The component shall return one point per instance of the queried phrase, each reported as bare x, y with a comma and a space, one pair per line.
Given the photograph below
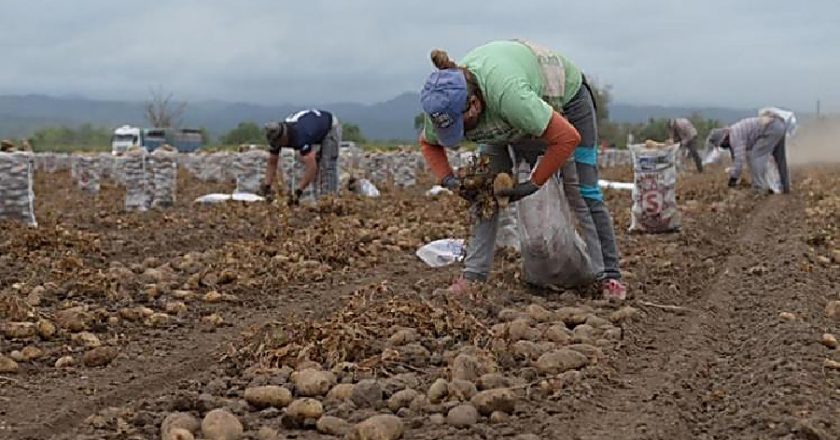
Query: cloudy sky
736, 53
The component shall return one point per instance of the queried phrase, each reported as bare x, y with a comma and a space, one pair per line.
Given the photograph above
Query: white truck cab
124, 138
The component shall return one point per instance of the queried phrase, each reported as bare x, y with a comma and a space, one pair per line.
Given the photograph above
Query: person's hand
451, 183
294, 198
520, 191
266, 192
733, 182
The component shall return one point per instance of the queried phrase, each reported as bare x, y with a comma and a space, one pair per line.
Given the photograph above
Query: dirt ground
183, 310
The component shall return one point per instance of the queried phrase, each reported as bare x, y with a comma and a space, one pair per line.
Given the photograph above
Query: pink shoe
613, 290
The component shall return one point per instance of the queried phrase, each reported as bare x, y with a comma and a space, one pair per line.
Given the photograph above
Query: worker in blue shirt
315, 135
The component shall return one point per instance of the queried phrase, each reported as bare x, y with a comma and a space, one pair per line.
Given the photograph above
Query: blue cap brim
451, 136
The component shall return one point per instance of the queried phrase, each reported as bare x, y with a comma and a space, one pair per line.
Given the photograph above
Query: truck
124, 138
184, 140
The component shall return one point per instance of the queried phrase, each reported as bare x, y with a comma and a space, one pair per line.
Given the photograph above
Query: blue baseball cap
444, 98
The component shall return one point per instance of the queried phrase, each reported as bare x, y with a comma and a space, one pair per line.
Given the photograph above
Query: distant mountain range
20, 115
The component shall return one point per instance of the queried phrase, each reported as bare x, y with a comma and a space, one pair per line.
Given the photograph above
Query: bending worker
315, 135
760, 138
682, 130
514, 93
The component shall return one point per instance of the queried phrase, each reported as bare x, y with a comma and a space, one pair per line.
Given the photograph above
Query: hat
274, 131
444, 99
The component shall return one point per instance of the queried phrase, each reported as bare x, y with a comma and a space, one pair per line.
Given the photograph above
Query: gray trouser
770, 143
580, 182
326, 180
690, 146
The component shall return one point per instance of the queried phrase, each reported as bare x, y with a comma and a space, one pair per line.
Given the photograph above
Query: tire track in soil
731, 368
63, 402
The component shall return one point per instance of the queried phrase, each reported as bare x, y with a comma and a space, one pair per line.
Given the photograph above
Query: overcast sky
735, 53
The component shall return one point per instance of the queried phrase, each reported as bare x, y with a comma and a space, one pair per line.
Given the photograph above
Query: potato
502, 181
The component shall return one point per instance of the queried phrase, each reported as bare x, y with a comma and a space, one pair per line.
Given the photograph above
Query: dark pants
691, 147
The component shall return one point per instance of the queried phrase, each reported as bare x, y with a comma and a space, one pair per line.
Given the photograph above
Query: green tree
206, 137
602, 96
352, 132
85, 137
244, 133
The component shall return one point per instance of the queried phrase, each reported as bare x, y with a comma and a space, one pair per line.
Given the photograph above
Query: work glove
294, 198
451, 183
520, 191
733, 182
265, 191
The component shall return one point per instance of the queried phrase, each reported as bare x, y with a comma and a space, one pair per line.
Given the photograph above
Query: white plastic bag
237, 197
553, 253
655, 191
438, 190
715, 155
440, 253
367, 188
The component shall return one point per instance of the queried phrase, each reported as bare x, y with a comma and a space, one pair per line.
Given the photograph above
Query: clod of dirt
461, 390
539, 313
158, 320
312, 383
335, 426
221, 424
301, 410
787, 316
268, 396
613, 334
30, 353
266, 433
178, 420
562, 381
527, 437
8, 365
99, 357
562, 360
492, 381
502, 181
175, 308
832, 310
46, 329
381, 427
74, 319
499, 417
88, 339
829, 341
501, 399
212, 297
65, 362
402, 399
520, 329
526, 350
438, 390
19, 330
469, 367
367, 394
403, 337
462, 416
624, 314
340, 392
